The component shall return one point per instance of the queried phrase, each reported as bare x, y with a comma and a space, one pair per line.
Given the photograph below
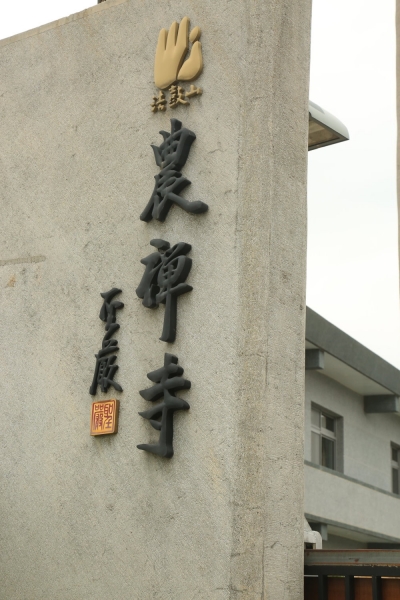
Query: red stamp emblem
104, 418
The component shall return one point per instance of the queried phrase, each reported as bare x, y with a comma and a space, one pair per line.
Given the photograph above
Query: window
395, 469
323, 438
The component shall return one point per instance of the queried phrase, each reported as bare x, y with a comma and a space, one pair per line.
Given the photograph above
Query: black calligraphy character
167, 381
171, 156
109, 309
105, 368
164, 280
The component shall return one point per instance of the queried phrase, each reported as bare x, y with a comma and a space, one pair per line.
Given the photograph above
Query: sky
352, 264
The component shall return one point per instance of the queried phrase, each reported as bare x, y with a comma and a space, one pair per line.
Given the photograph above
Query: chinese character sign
164, 280
178, 59
171, 157
104, 418
106, 368
167, 381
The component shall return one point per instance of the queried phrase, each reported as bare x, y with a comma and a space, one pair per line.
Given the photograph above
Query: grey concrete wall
86, 518
340, 543
366, 437
346, 502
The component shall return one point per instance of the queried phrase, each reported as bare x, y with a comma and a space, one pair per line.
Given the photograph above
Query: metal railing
352, 575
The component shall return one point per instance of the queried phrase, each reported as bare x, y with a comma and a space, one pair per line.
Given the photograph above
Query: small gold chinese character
177, 96
194, 91
159, 102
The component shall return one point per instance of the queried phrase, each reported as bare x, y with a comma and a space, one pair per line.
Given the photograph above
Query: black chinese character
109, 309
167, 381
171, 157
105, 368
164, 280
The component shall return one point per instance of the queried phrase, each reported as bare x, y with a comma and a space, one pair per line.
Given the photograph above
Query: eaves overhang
349, 362
324, 129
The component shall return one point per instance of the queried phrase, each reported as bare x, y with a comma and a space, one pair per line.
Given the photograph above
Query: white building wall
334, 498
366, 437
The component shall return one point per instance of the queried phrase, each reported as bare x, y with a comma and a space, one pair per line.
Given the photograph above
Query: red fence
352, 575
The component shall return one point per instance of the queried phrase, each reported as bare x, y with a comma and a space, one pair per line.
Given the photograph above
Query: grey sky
352, 242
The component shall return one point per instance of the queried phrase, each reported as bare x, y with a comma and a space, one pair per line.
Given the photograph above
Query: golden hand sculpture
172, 48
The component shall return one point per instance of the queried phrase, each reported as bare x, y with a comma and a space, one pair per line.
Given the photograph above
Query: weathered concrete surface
95, 518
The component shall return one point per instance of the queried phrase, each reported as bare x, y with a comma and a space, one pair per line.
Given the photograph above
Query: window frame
336, 436
395, 466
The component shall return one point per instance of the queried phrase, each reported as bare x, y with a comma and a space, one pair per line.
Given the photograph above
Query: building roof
349, 362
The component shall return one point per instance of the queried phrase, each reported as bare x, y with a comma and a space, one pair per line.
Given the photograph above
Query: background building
352, 440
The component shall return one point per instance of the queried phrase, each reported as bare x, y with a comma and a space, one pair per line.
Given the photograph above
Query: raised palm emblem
172, 48
170, 65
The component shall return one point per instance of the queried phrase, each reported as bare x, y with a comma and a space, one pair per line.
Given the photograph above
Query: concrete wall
333, 498
95, 518
335, 542
366, 437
